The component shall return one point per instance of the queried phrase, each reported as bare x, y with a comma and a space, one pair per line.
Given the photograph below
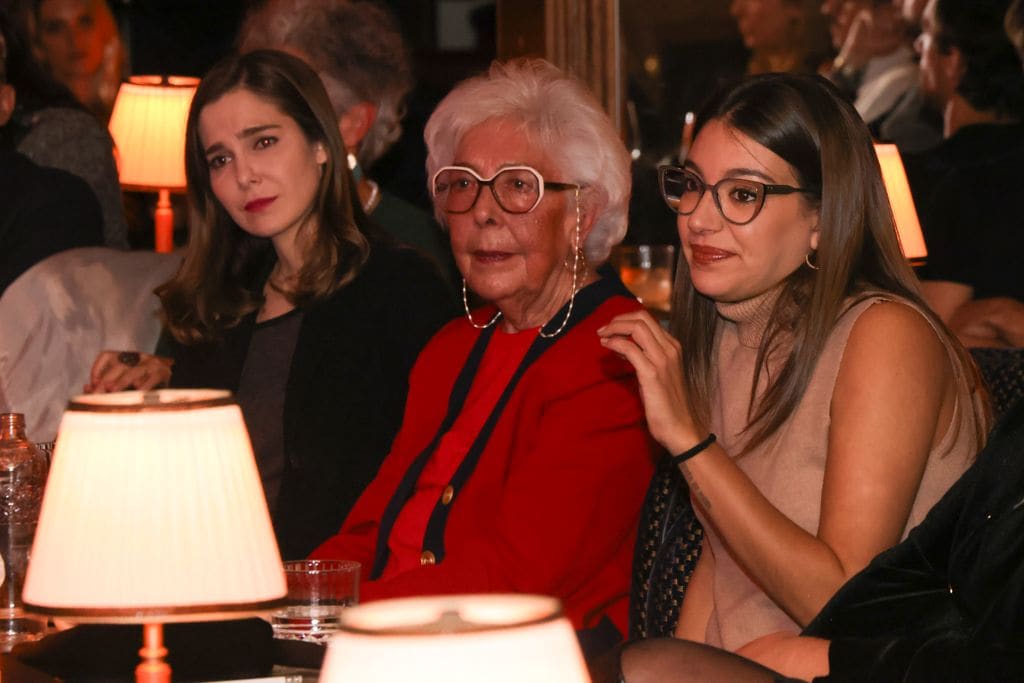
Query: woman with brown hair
817, 407
287, 296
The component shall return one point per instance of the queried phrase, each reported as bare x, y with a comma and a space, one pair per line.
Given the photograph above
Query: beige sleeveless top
788, 468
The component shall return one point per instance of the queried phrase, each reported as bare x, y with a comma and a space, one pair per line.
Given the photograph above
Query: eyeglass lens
516, 190
738, 200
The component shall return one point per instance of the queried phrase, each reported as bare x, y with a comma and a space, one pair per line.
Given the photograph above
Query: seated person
78, 43
966, 189
44, 210
877, 67
358, 51
523, 456
286, 296
54, 130
843, 407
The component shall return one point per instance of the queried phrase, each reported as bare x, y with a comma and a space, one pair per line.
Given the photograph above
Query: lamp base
163, 220
153, 668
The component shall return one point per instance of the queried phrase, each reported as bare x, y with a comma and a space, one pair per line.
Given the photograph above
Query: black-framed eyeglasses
738, 200
516, 189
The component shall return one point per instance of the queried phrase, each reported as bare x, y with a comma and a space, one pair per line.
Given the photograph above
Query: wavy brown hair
810, 125
221, 278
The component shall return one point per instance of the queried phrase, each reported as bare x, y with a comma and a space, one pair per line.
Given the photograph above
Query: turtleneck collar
750, 316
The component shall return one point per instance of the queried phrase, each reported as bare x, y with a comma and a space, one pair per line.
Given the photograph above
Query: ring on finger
129, 358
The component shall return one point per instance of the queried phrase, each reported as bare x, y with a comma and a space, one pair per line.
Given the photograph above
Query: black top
42, 211
346, 386
968, 194
946, 604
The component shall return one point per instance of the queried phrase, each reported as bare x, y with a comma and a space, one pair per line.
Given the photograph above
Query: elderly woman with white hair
523, 457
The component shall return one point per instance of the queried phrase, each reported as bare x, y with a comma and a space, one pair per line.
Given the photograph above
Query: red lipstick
706, 256
257, 205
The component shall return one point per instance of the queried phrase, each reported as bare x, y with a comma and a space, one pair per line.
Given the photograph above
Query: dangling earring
469, 315
807, 260
357, 175
353, 165
577, 253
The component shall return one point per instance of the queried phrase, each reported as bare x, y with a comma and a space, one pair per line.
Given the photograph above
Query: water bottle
22, 477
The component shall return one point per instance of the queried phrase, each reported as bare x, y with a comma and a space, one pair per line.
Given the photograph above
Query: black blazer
346, 388
946, 604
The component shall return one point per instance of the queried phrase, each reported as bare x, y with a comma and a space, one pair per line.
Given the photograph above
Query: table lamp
153, 513
456, 638
908, 227
148, 127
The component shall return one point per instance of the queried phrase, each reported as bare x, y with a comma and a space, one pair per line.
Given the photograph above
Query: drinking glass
318, 591
646, 270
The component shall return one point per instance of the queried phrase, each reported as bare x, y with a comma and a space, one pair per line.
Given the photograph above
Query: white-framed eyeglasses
516, 189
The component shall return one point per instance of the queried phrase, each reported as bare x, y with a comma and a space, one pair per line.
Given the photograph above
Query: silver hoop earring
469, 315
807, 260
577, 251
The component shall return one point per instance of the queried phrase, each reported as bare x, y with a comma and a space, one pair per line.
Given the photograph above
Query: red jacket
552, 505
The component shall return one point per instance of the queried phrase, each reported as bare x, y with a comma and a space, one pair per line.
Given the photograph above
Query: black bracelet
696, 450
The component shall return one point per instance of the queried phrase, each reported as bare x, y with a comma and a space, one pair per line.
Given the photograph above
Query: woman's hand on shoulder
892, 402
123, 370
657, 358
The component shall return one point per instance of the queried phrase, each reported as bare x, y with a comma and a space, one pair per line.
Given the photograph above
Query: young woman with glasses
813, 403
523, 458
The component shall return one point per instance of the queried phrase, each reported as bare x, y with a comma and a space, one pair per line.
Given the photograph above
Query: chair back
668, 545
1003, 373
58, 315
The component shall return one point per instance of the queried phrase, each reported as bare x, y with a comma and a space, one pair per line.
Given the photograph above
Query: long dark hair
810, 125
220, 279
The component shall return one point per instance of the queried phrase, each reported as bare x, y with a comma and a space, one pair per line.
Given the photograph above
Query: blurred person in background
967, 188
54, 130
44, 210
877, 66
782, 35
78, 43
358, 51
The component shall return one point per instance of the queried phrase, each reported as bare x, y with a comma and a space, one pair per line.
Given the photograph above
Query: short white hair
558, 113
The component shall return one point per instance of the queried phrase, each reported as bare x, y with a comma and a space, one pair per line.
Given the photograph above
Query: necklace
374, 199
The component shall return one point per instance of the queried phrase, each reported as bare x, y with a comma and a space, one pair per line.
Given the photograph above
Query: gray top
73, 141
261, 391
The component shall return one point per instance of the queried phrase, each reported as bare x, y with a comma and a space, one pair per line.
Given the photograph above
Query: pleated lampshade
492, 638
148, 127
153, 512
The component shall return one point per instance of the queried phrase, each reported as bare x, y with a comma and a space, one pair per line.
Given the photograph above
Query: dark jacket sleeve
947, 604
347, 389
46, 211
